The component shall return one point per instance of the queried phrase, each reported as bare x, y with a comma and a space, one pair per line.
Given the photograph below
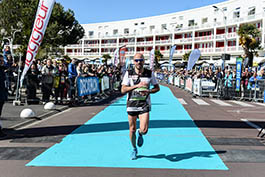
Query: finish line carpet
173, 141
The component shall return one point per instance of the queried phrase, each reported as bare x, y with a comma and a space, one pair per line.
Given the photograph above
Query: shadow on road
117, 126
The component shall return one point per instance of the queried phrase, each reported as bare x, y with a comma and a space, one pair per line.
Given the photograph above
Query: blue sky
93, 11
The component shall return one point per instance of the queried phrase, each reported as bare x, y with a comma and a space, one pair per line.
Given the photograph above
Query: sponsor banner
207, 85
172, 50
176, 81
197, 87
160, 76
105, 83
194, 56
87, 85
122, 55
115, 60
152, 59
182, 82
188, 85
41, 21
170, 79
238, 73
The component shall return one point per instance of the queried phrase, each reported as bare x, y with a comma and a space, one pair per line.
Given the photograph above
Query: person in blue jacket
3, 90
72, 74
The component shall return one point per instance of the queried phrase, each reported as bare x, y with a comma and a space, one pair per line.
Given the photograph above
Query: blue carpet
173, 141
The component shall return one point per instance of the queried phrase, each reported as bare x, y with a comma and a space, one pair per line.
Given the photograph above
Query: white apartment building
210, 29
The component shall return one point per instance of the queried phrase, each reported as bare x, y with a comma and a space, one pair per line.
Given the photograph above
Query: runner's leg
132, 129
144, 123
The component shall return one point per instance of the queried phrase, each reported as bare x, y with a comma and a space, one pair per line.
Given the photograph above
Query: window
142, 23
191, 23
126, 30
180, 17
204, 20
251, 11
215, 20
135, 24
224, 9
91, 33
152, 28
115, 32
164, 26
237, 13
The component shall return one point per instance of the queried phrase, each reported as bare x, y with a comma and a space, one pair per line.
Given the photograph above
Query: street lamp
10, 38
225, 41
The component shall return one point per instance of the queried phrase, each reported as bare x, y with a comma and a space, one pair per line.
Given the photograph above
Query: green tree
106, 58
249, 36
62, 29
158, 56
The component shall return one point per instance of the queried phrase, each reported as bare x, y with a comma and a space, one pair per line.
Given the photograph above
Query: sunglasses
137, 60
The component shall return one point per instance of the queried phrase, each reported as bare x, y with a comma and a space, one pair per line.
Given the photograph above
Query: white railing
203, 38
109, 45
232, 35
75, 45
91, 45
231, 48
206, 50
145, 43
91, 53
219, 49
163, 41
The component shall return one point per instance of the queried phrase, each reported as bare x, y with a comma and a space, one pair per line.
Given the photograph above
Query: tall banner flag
194, 56
41, 21
152, 59
122, 55
172, 50
238, 73
115, 60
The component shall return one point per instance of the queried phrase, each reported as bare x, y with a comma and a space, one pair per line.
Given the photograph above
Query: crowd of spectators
55, 78
224, 78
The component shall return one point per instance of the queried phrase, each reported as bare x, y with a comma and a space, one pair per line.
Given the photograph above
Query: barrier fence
86, 90
221, 88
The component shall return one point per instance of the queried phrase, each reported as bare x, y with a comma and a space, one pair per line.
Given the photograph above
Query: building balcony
206, 50
204, 38
91, 54
126, 43
109, 45
163, 42
150, 43
75, 46
91, 45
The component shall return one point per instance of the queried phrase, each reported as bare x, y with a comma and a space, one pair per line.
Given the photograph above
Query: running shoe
140, 140
134, 154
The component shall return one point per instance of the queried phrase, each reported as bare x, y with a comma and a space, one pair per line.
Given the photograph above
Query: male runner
136, 83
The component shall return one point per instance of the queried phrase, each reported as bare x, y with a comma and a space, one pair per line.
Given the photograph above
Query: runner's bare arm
155, 89
126, 88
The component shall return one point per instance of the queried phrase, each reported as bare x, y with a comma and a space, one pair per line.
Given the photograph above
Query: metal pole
17, 101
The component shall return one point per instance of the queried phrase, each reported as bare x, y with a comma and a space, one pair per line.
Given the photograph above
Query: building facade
211, 29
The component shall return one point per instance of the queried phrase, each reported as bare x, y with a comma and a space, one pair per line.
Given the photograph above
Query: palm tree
106, 57
249, 36
186, 56
158, 56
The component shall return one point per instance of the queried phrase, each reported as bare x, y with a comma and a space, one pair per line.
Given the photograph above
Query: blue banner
87, 85
160, 76
172, 50
238, 73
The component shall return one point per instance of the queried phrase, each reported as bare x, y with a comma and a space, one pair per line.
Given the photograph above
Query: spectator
56, 80
3, 91
32, 82
63, 82
72, 74
47, 81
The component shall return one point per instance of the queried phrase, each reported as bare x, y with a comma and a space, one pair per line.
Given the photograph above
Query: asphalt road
229, 129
